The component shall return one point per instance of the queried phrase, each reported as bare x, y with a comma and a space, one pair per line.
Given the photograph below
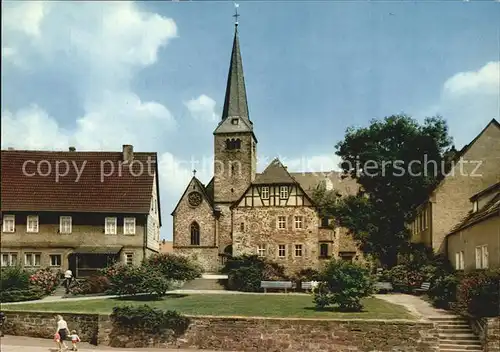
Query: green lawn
226, 305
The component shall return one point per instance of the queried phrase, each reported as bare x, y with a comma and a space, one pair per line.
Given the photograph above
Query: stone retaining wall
243, 334
492, 332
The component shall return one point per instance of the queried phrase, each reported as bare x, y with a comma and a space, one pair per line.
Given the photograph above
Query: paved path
416, 305
30, 344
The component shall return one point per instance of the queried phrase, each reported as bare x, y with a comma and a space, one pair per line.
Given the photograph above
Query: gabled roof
235, 101
122, 191
491, 208
201, 187
466, 148
492, 188
333, 180
275, 173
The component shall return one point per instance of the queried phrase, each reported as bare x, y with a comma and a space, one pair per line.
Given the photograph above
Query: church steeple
235, 102
235, 117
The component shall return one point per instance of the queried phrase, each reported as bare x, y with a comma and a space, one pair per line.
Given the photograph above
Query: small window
298, 250
65, 224
261, 250
55, 260
475, 206
129, 226
282, 222
129, 258
9, 223
283, 192
110, 226
298, 222
325, 221
482, 257
242, 227
234, 121
32, 223
32, 259
195, 234
265, 192
323, 250
9, 259
281, 251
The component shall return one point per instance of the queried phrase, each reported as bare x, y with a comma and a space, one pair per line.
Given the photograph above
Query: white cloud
25, 17
202, 108
468, 101
486, 80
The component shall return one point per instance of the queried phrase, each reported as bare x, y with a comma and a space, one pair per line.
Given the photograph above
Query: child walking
74, 340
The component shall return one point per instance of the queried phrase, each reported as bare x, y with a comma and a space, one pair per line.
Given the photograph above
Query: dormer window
474, 206
234, 121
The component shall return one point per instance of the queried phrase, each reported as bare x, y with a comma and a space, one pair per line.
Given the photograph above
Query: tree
396, 161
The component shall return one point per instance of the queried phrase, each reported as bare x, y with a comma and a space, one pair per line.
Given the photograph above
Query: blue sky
101, 74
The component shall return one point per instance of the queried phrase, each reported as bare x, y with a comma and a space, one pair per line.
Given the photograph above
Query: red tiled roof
128, 191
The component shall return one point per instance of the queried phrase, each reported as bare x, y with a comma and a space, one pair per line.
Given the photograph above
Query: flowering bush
478, 293
405, 279
45, 279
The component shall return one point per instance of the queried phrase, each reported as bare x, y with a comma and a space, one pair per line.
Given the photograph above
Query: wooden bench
276, 285
383, 286
306, 285
423, 288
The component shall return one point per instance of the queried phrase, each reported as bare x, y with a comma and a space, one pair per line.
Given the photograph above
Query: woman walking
62, 330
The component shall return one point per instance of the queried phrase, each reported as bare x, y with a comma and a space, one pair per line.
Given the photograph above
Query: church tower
235, 145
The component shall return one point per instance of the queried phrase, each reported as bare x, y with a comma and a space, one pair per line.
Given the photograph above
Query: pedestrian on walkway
62, 330
68, 276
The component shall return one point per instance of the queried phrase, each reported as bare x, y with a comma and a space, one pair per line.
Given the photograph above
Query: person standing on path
62, 330
68, 276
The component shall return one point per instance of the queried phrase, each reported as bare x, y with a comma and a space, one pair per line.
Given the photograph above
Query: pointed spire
235, 102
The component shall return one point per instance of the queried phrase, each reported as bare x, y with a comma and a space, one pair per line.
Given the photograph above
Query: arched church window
195, 234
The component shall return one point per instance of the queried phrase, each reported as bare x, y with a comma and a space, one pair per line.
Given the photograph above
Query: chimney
72, 149
128, 153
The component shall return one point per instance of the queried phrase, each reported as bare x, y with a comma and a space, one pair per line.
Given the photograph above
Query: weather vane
236, 15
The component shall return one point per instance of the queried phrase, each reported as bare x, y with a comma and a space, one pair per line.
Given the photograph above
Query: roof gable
87, 181
491, 208
275, 173
194, 185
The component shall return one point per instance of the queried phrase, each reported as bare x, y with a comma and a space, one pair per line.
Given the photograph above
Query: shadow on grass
148, 298
333, 310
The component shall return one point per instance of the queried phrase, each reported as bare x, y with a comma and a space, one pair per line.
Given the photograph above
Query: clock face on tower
194, 198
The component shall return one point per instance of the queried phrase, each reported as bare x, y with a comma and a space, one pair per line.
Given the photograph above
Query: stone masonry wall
261, 228
206, 257
44, 325
245, 334
492, 343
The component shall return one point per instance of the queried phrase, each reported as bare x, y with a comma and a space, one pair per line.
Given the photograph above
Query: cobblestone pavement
29, 344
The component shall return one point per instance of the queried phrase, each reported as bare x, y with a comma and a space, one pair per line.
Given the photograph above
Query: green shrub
17, 295
308, 274
246, 272
343, 284
478, 293
174, 267
443, 290
156, 284
14, 278
126, 279
147, 319
92, 285
405, 279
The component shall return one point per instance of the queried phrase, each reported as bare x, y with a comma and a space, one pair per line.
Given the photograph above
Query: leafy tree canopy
396, 161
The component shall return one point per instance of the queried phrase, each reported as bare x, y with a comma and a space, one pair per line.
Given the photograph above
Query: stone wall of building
261, 228
185, 214
478, 171
245, 334
233, 169
225, 224
206, 257
492, 341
